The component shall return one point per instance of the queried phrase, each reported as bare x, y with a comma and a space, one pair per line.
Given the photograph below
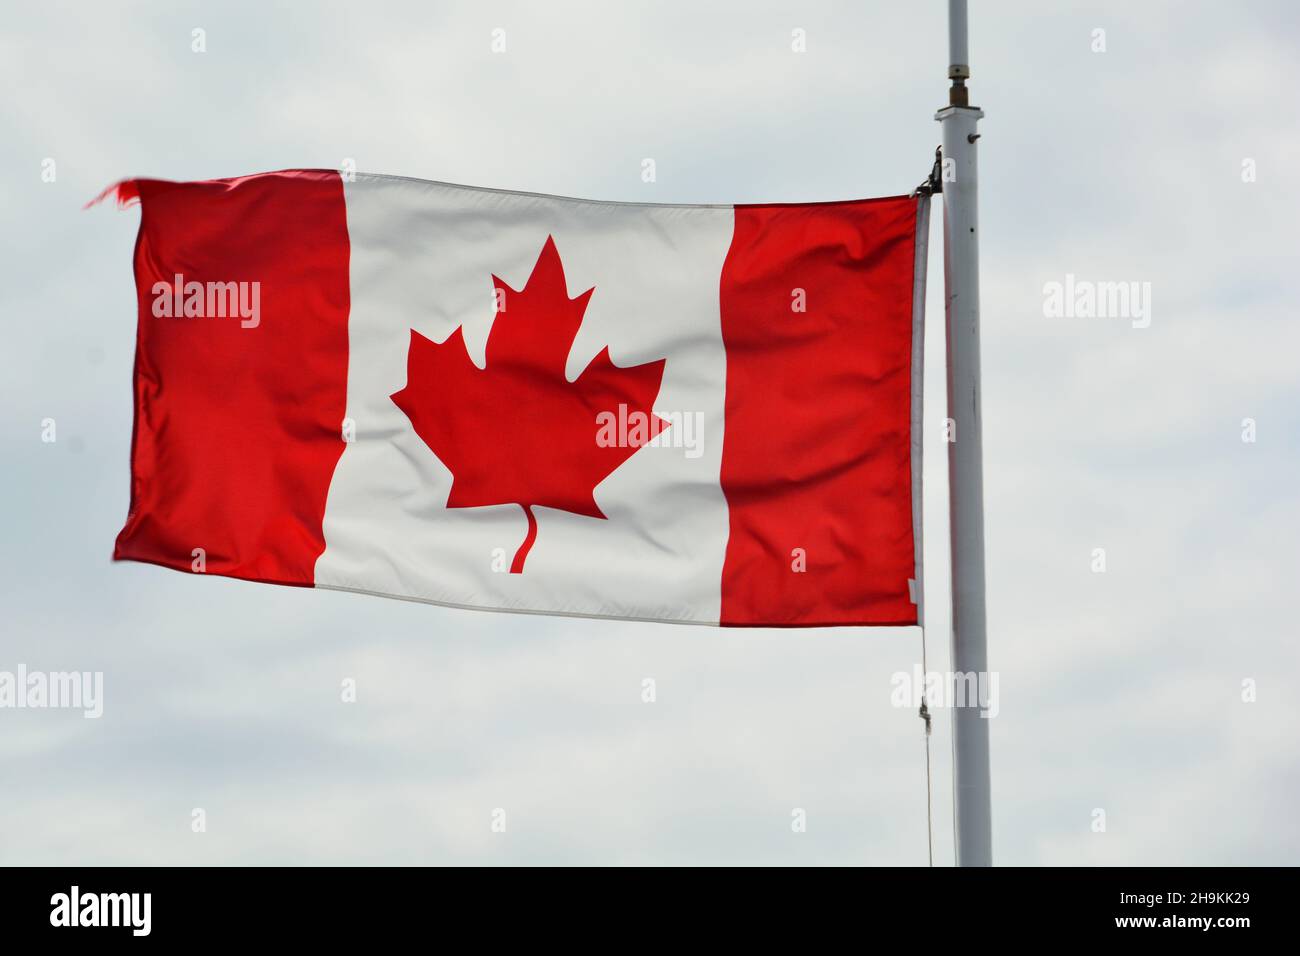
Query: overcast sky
1120, 691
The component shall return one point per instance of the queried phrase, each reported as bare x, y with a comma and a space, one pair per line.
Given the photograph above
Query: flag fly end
125, 193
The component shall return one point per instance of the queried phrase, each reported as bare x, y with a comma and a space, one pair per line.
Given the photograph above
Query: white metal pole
971, 797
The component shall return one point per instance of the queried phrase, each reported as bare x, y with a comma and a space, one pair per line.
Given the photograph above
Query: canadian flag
692, 414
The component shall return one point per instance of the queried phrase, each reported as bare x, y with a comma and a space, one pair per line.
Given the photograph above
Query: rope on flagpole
924, 713
929, 187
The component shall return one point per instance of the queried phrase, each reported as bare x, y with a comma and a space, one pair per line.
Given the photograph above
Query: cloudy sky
1167, 158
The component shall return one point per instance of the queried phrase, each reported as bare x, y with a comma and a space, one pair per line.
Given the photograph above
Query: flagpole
971, 792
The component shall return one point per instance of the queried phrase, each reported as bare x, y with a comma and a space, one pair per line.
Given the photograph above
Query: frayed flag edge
126, 193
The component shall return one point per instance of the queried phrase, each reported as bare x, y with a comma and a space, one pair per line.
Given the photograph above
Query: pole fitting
934, 182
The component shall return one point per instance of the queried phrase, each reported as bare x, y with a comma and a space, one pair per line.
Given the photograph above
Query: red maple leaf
517, 431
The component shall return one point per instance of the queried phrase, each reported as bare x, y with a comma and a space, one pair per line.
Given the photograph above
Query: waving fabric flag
694, 414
